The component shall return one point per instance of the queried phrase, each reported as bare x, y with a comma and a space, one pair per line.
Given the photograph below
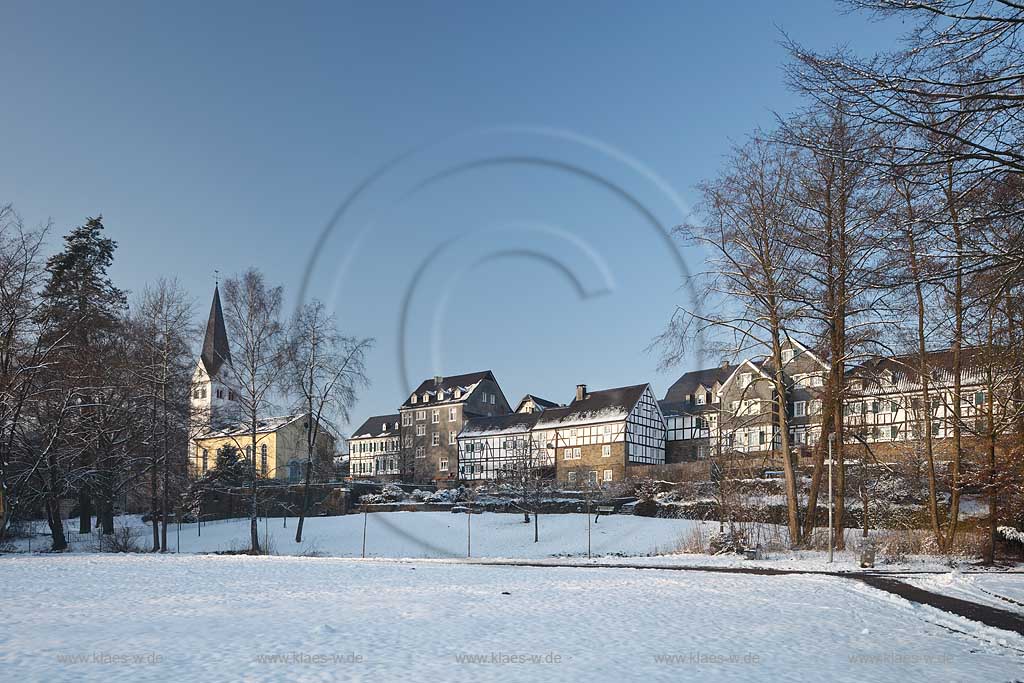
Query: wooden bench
603, 510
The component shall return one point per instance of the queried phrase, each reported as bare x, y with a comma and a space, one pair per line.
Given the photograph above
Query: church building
216, 420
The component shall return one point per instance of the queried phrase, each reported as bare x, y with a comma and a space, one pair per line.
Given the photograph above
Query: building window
263, 458
407, 419
607, 475
435, 439
408, 442
787, 355
745, 379
452, 414
442, 464
421, 452
435, 416
421, 415
701, 396
606, 451
817, 381
248, 452
426, 397
894, 432
206, 460
421, 430
799, 408
294, 470
231, 394
979, 398
592, 477
412, 399
451, 438
572, 477
492, 399
220, 393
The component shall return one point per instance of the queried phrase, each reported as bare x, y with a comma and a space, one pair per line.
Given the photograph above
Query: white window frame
442, 464
435, 417
451, 438
452, 414
799, 408
606, 451
607, 475
435, 438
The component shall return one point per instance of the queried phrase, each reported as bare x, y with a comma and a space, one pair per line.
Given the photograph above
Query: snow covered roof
606, 405
513, 423
541, 403
377, 426
266, 425
444, 389
902, 373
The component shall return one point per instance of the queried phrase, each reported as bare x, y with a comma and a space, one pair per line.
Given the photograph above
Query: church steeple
215, 344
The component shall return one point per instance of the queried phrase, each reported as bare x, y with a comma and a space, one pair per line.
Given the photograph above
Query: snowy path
224, 618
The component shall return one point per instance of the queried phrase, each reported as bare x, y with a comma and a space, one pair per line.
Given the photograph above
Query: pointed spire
215, 344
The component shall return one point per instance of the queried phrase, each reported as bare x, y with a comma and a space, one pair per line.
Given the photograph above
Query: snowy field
424, 535
88, 617
443, 535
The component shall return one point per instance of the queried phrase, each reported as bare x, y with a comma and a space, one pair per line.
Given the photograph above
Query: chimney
725, 364
581, 392
438, 379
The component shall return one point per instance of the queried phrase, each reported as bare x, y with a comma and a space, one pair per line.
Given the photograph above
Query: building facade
600, 433
502, 447
432, 417
375, 448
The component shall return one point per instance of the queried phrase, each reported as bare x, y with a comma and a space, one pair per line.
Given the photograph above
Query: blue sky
515, 164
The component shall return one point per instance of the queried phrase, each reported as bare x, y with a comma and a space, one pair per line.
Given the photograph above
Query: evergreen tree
83, 313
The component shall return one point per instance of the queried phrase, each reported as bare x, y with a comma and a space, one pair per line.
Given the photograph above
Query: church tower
214, 402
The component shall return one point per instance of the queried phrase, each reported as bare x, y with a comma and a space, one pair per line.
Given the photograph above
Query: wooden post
469, 530
364, 530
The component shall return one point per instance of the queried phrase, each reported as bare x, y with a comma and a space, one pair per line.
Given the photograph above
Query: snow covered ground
425, 535
443, 535
89, 617
1004, 590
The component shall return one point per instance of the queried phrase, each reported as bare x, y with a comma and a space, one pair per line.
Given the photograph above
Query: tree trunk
782, 413
154, 507
58, 541
84, 511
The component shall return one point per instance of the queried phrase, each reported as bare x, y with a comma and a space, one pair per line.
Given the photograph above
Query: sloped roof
903, 371
688, 383
378, 426
676, 408
265, 425
597, 406
443, 392
215, 344
512, 423
537, 400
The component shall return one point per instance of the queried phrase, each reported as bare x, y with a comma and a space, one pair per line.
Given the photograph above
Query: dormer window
412, 399
458, 393
745, 379
787, 355
426, 397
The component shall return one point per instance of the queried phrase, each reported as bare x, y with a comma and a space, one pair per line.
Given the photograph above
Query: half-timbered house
601, 433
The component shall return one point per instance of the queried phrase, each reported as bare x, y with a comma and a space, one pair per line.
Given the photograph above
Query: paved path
990, 616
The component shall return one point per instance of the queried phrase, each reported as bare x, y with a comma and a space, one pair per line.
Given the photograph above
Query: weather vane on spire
216, 278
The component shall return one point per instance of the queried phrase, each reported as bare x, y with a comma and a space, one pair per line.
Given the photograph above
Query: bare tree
161, 329
324, 372
22, 354
252, 313
749, 213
